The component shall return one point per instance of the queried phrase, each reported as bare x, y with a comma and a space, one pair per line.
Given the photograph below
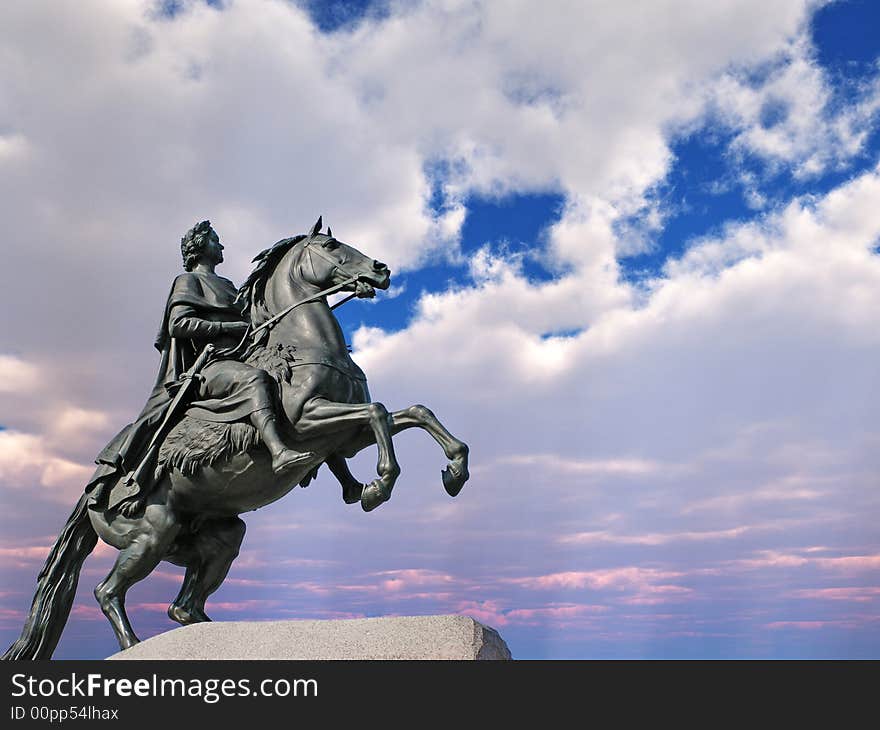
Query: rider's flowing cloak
207, 298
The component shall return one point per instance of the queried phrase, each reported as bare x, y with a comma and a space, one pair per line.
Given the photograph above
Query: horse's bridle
350, 279
336, 265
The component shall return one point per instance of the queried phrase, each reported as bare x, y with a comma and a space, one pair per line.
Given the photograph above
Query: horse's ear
330, 231
316, 228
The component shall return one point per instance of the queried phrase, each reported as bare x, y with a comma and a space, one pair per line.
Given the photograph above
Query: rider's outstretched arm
184, 322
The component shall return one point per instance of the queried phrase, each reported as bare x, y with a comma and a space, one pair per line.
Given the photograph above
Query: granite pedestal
403, 637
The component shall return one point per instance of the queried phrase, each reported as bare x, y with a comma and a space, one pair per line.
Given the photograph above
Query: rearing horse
191, 518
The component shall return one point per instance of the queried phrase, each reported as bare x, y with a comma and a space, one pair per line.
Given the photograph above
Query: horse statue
215, 472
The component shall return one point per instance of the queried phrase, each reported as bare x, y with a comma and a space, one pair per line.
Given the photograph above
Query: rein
314, 298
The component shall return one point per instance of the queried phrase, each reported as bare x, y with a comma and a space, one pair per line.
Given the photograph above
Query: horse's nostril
378, 265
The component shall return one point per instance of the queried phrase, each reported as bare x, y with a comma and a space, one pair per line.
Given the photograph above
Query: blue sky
635, 268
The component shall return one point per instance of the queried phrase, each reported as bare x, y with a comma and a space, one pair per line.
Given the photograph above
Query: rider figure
201, 309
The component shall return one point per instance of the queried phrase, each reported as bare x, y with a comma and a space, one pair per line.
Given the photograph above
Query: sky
635, 256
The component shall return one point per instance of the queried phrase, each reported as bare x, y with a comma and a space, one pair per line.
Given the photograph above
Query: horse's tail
56, 587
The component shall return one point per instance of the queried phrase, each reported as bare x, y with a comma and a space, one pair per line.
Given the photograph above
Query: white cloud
791, 117
75, 420
585, 467
251, 117
645, 419
17, 375
736, 400
25, 462
600, 536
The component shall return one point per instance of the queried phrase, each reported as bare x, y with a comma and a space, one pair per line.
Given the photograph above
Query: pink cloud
657, 595
587, 467
852, 562
166, 575
807, 625
399, 580
653, 538
328, 589
487, 612
597, 579
426, 596
261, 583
89, 613
27, 460
857, 594
11, 618
256, 559
327, 614
245, 605
149, 607
639, 586
553, 613
318, 589
23, 557
396, 582
102, 549
772, 559
849, 563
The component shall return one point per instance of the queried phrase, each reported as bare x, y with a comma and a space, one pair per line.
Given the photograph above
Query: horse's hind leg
207, 555
145, 541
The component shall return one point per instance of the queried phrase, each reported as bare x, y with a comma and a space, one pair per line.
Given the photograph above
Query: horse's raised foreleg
456, 472
320, 416
418, 416
207, 555
142, 543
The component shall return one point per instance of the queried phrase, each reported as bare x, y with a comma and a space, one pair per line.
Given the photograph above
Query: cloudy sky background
636, 269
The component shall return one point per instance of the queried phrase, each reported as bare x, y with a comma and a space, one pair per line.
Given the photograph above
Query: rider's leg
283, 457
250, 391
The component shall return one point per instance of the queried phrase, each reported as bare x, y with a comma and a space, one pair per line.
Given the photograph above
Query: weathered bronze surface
256, 390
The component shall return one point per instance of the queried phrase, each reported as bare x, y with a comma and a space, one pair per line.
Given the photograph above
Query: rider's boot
283, 458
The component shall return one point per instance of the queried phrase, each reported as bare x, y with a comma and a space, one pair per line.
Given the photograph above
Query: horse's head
326, 261
317, 260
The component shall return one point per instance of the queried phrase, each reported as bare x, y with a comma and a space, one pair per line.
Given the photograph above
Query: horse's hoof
372, 496
185, 617
126, 642
453, 479
352, 493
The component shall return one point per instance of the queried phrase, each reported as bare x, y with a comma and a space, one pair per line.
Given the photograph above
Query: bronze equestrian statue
202, 308
256, 390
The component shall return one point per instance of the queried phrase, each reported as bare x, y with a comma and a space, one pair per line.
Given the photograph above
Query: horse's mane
253, 292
